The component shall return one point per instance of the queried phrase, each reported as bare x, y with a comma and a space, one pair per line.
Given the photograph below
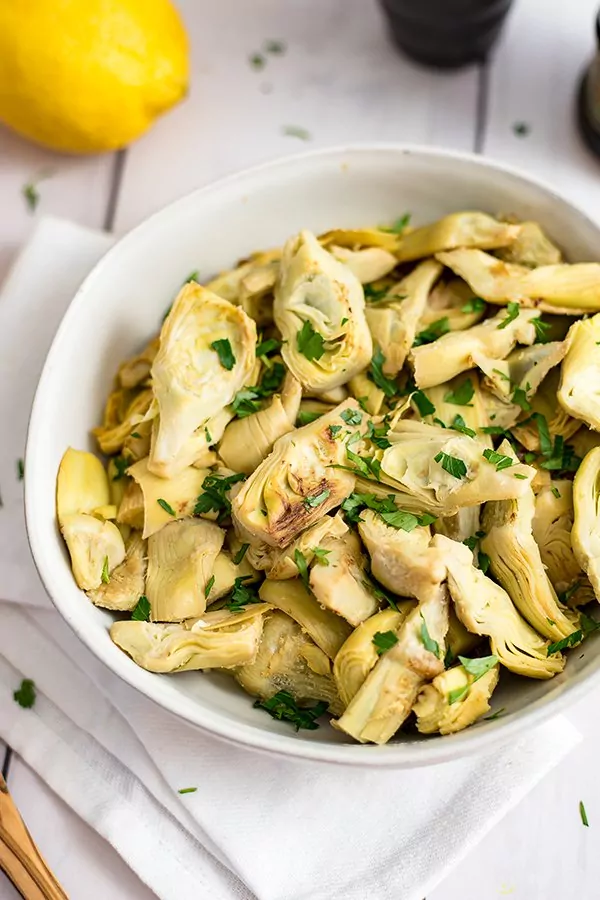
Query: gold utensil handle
20, 858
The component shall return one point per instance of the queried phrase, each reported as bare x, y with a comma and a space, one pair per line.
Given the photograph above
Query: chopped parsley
105, 571
241, 595
512, 312
483, 562
302, 567
141, 610
296, 131
588, 625
384, 640
334, 430
377, 435
317, 499
519, 398
344, 320
214, 497
351, 416
386, 508
398, 226
428, 642
223, 350
305, 417
373, 295
136, 434
495, 715
492, 429
269, 346
423, 403
208, 436
25, 695
457, 694
543, 433
471, 542
459, 424
369, 466
166, 506
309, 342
474, 305
541, 330
121, 465
498, 459
451, 464
240, 554
321, 555
562, 458
565, 596
479, 666
385, 384
283, 706
209, 586
247, 400
434, 331
20, 469
556, 492
463, 394
187, 790
583, 814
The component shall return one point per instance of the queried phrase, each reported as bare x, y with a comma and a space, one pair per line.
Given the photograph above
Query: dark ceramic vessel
588, 101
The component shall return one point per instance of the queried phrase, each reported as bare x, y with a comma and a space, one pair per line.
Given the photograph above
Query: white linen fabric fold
255, 826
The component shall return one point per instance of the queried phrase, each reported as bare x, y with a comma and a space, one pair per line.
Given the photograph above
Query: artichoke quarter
297, 483
368, 264
389, 692
531, 248
111, 438
96, 548
463, 229
281, 564
206, 354
579, 391
586, 524
320, 311
82, 484
136, 370
341, 584
181, 558
179, 493
454, 700
486, 609
126, 582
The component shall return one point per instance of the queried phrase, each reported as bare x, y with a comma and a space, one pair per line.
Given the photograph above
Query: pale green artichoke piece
196, 450
256, 292
544, 403
585, 535
297, 483
82, 484
531, 248
474, 414
327, 630
340, 582
393, 321
181, 558
579, 391
126, 583
452, 301
112, 437
443, 708
248, 441
180, 648
584, 440
320, 311
357, 655
178, 493
225, 571
131, 509
462, 525
453, 353
462, 229
368, 264
486, 609
459, 639
96, 548
281, 564
356, 238
207, 352
515, 561
366, 391
390, 690
287, 660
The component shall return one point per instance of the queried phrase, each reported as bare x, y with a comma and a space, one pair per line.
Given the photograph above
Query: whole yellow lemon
84, 76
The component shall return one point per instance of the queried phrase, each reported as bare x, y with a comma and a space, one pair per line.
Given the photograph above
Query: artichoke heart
131, 510
112, 438
453, 302
586, 524
207, 352
246, 442
552, 526
463, 229
281, 564
454, 700
82, 484
320, 311
96, 548
288, 660
357, 238
486, 609
516, 563
225, 572
369, 264
179, 648
543, 403
531, 248
371, 397
571, 289
327, 630
393, 321
579, 391
402, 561
179, 493
297, 483
136, 370
181, 558
341, 583
126, 582
458, 351
438, 470
389, 692
357, 655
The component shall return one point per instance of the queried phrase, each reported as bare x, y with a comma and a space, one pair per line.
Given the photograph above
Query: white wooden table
341, 80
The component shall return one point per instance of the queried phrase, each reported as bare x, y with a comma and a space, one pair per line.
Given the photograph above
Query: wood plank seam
115, 189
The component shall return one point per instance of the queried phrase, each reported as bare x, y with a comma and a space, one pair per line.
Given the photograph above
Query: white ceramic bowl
120, 305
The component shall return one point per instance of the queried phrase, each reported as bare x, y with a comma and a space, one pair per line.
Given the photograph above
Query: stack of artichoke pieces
319, 627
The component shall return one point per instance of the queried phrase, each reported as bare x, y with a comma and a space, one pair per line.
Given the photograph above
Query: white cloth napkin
256, 826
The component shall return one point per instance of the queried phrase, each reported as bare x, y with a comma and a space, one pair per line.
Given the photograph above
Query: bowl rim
393, 755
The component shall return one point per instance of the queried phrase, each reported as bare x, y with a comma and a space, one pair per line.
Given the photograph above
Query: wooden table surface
340, 80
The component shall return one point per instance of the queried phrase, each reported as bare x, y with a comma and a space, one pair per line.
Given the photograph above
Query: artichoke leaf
456, 352
281, 563
82, 484
462, 229
393, 321
111, 439
296, 484
136, 370
579, 391
131, 511
320, 311
530, 248
390, 690
287, 660
181, 559
357, 655
197, 448
256, 292
462, 525
192, 382
96, 548
543, 403
341, 585
474, 414
225, 572
439, 713
453, 301
516, 563
371, 397
179, 493
585, 535
357, 238
126, 582
327, 630
368, 264
486, 609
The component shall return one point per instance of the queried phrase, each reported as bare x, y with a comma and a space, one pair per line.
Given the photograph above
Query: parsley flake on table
512, 311
187, 790
257, 61
296, 131
309, 342
384, 640
583, 814
521, 129
166, 506
463, 394
500, 460
277, 48
284, 707
434, 331
451, 464
20, 469
222, 348
141, 611
25, 695
213, 498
